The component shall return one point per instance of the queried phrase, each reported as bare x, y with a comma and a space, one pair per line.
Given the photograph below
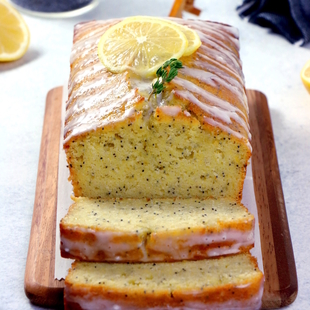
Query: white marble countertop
271, 65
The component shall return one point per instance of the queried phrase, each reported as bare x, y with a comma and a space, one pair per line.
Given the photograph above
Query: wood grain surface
278, 258
40, 286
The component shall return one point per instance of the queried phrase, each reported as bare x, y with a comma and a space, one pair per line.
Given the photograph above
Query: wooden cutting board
278, 259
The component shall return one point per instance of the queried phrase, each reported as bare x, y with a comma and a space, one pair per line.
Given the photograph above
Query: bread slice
190, 141
136, 230
229, 282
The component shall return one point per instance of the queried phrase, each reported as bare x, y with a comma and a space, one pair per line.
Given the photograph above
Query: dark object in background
52, 6
290, 18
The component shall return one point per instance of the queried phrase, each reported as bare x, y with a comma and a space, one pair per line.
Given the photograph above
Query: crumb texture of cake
140, 230
192, 140
178, 285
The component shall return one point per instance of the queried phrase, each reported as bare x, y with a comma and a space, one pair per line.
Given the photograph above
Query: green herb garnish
163, 76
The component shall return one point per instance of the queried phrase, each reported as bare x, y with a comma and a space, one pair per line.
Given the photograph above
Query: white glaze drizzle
229, 64
171, 110
231, 33
233, 40
214, 34
218, 66
219, 109
216, 44
103, 242
186, 113
218, 70
116, 84
144, 85
83, 74
225, 128
88, 76
210, 98
213, 80
90, 301
92, 32
176, 247
95, 118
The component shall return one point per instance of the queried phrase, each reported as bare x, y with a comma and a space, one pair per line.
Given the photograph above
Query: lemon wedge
305, 75
140, 44
14, 33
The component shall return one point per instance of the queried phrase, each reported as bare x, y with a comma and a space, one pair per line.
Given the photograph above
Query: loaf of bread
229, 282
190, 141
140, 230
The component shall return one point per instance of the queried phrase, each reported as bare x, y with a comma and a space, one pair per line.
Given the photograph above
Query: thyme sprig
165, 76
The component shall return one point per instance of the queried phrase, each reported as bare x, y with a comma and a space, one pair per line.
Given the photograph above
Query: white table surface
271, 65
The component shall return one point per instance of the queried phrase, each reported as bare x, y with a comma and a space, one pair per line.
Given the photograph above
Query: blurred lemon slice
305, 75
14, 33
141, 44
192, 38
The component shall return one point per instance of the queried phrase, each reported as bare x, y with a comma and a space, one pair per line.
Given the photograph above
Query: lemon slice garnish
192, 38
140, 44
14, 33
305, 75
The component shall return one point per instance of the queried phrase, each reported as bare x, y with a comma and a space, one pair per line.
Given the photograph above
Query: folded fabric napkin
290, 18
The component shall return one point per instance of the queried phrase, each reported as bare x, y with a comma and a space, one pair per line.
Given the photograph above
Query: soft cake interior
158, 215
135, 230
158, 158
237, 278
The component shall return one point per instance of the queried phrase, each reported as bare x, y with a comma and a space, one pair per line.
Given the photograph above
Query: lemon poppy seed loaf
190, 141
157, 220
142, 230
230, 282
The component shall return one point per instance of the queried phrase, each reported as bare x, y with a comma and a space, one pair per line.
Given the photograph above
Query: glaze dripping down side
212, 80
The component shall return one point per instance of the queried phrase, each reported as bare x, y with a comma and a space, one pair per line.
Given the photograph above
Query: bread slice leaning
228, 282
141, 230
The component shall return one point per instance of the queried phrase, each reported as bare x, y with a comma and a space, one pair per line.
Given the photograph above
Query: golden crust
143, 230
140, 297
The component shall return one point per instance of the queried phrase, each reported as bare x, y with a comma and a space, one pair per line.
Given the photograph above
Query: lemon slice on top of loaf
143, 44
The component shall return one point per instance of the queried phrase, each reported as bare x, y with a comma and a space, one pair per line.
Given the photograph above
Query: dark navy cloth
290, 18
